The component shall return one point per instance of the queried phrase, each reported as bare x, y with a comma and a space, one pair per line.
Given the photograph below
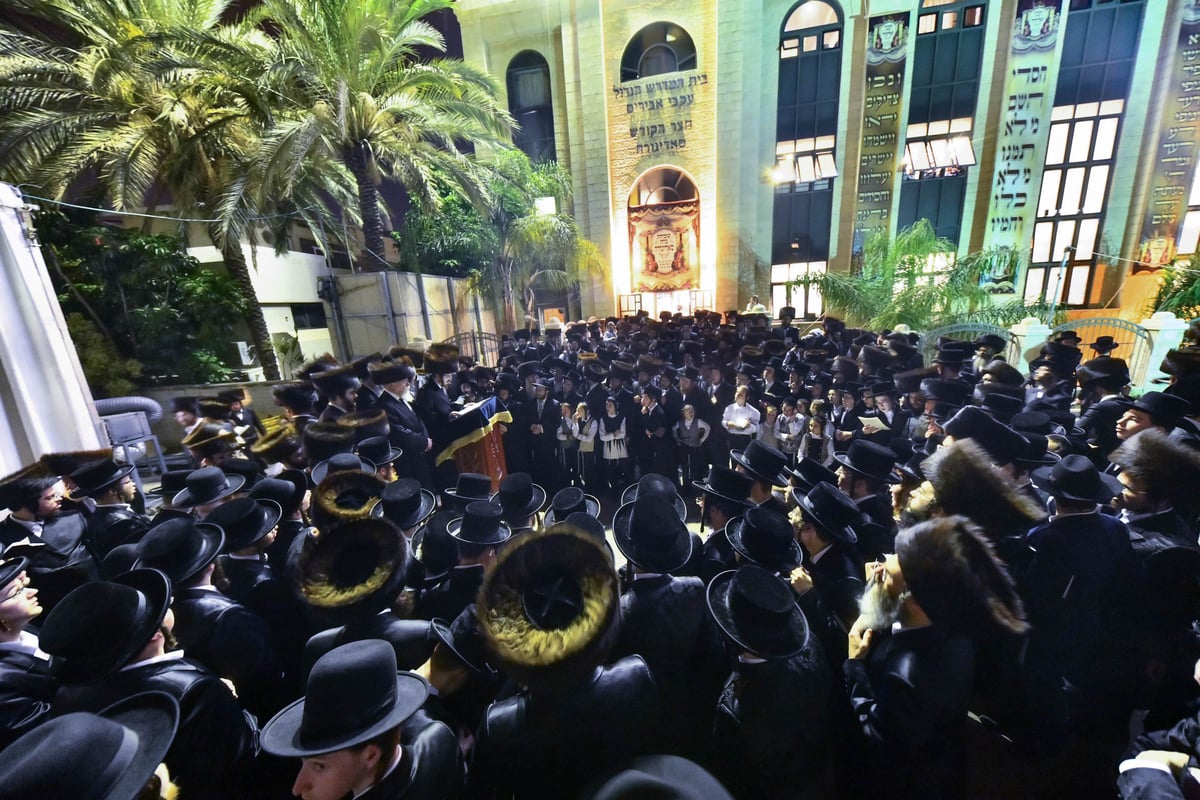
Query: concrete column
1166, 332
45, 401
1029, 332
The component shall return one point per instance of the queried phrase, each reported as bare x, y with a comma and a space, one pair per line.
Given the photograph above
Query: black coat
412, 640
408, 432
910, 697
1099, 422
430, 767
110, 526
772, 735
253, 584
538, 746
447, 599
877, 533
666, 621
59, 558
233, 642
214, 747
838, 578
26, 692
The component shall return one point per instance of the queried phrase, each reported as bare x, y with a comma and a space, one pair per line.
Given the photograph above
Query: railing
969, 331
1132, 340
479, 345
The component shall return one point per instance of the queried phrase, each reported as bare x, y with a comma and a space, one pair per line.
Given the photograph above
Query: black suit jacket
448, 599
838, 578
430, 767
26, 693
110, 526
408, 432
59, 558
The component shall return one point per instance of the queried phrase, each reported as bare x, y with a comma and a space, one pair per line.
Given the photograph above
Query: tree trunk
374, 256
235, 262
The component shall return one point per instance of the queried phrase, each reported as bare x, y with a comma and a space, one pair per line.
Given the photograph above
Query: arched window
662, 185
810, 78
657, 49
530, 103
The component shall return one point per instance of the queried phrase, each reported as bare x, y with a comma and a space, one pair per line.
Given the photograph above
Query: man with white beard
911, 669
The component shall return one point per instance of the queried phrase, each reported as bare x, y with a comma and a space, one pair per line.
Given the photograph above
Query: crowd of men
909, 581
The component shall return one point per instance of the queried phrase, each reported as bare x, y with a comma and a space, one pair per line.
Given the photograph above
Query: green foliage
1179, 290
903, 281
454, 240
141, 302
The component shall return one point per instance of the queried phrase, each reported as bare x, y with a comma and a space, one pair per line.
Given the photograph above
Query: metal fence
1132, 340
969, 331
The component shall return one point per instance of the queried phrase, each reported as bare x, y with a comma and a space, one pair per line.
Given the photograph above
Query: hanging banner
1175, 156
1021, 141
886, 52
664, 244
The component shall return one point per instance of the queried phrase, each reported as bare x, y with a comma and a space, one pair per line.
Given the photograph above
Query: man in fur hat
912, 655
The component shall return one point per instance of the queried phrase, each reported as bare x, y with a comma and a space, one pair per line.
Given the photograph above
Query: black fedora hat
869, 459
764, 537
1037, 452
519, 497
809, 472
1164, 409
10, 568
651, 535
245, 521
586, 523
171, 483
358, 565
97, 628
354, 693
378, 450
463, 638
180, 548
1000, 441
405, 503
91, 478
105, 756
342, 462
1104, 344
287, 489
434, 547
763, 462
206, 486
831, 510
469, 487
653, 483
570, 500
728, 485
1076, 478
250, 471
758, 612
481, 523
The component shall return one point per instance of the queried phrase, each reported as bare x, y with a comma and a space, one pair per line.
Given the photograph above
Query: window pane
1086, 246
1062, 112
1064, 237
1048, 202
918, 158
1081, 141
1086, 110
805, 169
1189, 232
927, 23
964, 154
973, 16
1194, 196
779, 273
778, 297
1077, 291
1056, 150
949, 20
1042, 235
826, 166
1072, 191
941, 152
939, 128
1112, 107
810, 44
832, 39
1093, 203
1033, 284
1106, 139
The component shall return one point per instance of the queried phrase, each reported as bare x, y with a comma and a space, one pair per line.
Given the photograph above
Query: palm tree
350, 86
115, 110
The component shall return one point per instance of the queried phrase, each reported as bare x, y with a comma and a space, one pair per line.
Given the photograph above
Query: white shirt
735, 415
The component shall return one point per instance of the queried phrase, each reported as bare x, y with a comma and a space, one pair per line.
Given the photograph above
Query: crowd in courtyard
730, 556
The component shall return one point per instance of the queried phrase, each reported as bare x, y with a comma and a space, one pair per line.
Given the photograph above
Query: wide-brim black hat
342, 462
470, 487
97, 628
171, 483
481, 524
869, 459
434, 547
110, 755
91, 478
763, 462
549, 609
378, 450
764, 537
726, 484
750, 609
1076, 478
206, 486
809, 472
287, 489
562, 505
662, 486
519, 497
356, 565
405, 503
463, 638
245, 521
10, 568
831, 510
180, 548
650, 534
345, 702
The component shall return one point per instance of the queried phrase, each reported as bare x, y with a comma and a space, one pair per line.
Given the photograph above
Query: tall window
806, 301
810, 68
1189, 231
1089, 104
945, 88
530, 103
657, 49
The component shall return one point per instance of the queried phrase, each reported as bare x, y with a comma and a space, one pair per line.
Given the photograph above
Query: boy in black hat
114, 521
724, 495
357, 732
823, 520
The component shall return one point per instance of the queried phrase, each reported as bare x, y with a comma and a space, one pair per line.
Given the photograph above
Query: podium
475, 442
